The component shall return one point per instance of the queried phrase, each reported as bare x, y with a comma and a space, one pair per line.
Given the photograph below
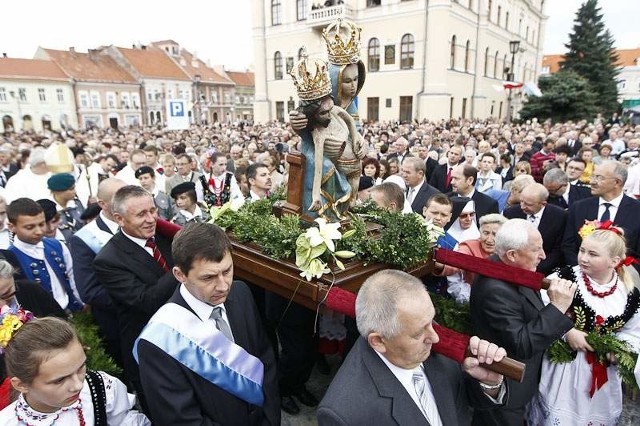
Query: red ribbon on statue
598, 373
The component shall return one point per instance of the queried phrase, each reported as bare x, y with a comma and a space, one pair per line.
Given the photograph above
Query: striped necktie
429, 407
157, 255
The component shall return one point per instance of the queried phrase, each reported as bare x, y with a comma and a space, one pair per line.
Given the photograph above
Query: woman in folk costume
585, 390
47, 365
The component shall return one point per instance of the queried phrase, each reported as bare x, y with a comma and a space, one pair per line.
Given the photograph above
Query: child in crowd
47, 365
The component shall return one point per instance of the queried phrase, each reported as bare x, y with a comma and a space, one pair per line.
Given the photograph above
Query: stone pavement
319, 383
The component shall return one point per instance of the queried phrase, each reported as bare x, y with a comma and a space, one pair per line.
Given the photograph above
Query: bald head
106, 190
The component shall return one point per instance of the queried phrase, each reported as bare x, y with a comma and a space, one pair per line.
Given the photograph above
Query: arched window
407, 47
277, 65
486, 62
466, 56
452, 62
504, 66
276, 12
300, 53
506, 20
495, 65
373, 52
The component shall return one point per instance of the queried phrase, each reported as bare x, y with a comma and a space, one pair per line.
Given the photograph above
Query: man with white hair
31, 181
391, 376
516, 318
401, 152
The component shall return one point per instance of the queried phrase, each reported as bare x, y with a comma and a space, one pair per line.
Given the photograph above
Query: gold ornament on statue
343, 42
311, 78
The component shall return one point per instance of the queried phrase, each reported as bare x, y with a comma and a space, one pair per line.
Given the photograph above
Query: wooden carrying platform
283, 277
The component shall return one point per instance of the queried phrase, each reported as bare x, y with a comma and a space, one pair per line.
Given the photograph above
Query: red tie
157, 255
448, 180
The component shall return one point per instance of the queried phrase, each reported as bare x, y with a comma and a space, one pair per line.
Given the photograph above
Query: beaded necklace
23, 405
587, 283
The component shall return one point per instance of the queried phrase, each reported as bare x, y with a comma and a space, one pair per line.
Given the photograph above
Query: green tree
592, 56
565, 96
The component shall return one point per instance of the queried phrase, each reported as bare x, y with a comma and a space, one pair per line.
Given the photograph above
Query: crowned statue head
311, 78
346, 69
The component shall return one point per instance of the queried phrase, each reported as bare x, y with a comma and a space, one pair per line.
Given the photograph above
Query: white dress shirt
613, 209
203, 310
139, 241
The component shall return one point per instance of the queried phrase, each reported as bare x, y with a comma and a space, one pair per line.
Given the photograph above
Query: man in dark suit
84, 246
401, 146
419, 191
135, 268
441, 177
516, 318
561, 192
550, 221
391, 377
231, 379
463, 182
608, 203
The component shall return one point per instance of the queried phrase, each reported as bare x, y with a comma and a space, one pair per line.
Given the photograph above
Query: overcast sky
217, 30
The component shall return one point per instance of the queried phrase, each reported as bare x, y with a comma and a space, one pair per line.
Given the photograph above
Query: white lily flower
329, 232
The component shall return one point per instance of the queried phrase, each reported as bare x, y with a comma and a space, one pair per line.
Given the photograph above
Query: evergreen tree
565, 96
591, 55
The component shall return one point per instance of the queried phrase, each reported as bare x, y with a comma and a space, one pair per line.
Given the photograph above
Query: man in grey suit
516, 318
390, 376
413, 171
185, 174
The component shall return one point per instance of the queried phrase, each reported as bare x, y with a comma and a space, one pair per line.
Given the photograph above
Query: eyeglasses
467, 215
600, 178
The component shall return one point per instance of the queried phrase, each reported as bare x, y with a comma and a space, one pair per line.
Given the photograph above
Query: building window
489, 7
125, 101
452, 61
22, 94
3, 95
464, 107
169, 94
466, 56
495, 65
622, 84
111, 100
277, 65
374, 55
506, 20
373, 109
499, 15
407, 47
300, 52
373, 3
545, 70
214, 98
84, 99
280, 111
302, 9
406, 109
289, 64
390, 54
504, 66
276, 12
526, 34
135, 100
95, 100
291, 104
42, 95
387, 103
486, 62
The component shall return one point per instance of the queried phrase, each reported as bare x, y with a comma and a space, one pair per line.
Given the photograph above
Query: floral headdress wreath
11, 319
593, 225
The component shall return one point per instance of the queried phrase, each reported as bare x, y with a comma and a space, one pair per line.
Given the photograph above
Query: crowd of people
115, 222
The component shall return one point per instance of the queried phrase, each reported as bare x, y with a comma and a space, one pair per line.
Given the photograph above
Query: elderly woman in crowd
586, 155
483, 247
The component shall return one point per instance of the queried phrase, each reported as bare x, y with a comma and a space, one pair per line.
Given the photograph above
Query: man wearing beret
185, 197
63, 192
147, 178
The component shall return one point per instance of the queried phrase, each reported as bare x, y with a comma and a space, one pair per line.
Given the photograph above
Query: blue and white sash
203, 349
94, 237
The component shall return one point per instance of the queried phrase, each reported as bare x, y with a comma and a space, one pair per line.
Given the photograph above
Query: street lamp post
514, 46
196, 104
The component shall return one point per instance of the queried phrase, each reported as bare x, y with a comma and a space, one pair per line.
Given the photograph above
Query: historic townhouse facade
425, 58
35, 95
245, 94
105, 94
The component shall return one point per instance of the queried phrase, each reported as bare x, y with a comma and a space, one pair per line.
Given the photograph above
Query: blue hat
61, 182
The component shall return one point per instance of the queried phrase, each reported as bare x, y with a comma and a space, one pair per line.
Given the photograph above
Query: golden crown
343, 42
311, 78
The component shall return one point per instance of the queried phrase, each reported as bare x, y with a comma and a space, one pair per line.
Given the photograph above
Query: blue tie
607, 214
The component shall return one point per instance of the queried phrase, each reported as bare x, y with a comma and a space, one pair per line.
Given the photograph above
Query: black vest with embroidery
210, 197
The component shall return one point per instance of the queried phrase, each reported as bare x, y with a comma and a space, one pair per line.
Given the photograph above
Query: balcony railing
326, 15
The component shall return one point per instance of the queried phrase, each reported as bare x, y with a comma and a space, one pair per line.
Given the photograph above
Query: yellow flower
10, 323
587, 229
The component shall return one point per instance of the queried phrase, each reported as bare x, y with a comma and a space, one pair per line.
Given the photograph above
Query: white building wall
51, 109
438, 90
